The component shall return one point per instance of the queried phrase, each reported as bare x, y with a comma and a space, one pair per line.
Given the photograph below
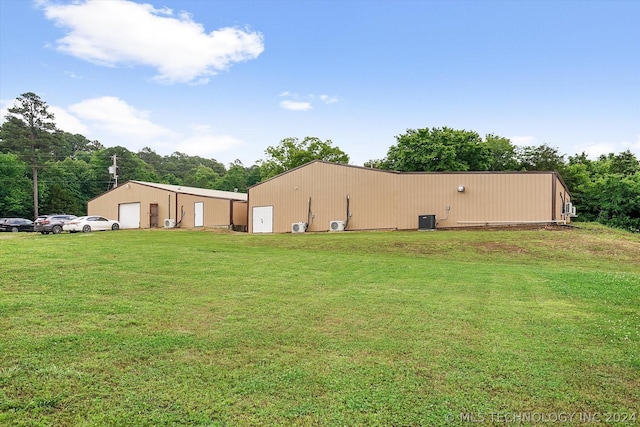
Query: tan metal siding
493, 198
217, 212
239, 213
107, 204
372, 199
388, 200
486, 198
562, 196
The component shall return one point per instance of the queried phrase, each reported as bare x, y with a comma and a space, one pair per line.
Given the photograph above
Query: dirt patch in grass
498, 247
514, 227
415, 248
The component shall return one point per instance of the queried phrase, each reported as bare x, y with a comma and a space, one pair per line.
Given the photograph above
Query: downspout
248, 198
553, 196
346, 223
176, 207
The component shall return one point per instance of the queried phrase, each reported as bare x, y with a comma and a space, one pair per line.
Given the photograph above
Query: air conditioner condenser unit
336, 225
169, 223
298, 227
570, 209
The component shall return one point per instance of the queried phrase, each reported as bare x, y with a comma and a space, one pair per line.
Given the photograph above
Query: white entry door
198, 214
129, 215
263, 219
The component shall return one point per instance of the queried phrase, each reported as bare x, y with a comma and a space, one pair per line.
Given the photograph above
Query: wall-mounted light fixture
461, 189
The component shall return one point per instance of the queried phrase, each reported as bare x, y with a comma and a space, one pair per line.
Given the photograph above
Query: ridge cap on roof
405, 173
185, 189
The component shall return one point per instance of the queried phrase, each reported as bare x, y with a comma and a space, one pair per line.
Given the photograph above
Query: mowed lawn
175, 327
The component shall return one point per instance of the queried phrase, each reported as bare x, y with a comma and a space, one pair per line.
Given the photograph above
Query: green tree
201, 177
238, 177
72, 145
578, 175
606, 190
625, 163
502, 153
541, 158
437, 149
129, 166
68, 185
292, 153
30, 132
618, 200
179, 164
153, 159
15, 191
170, 179
376, 164
254, 175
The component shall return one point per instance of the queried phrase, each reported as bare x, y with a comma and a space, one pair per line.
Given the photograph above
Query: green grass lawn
174, 327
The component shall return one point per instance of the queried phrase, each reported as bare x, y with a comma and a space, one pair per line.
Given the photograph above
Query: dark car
52, 223
16, 224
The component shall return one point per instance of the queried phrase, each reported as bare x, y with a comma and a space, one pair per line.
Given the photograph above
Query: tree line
44, 169
606, 190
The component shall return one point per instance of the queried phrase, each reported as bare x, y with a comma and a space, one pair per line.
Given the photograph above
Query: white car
87, 224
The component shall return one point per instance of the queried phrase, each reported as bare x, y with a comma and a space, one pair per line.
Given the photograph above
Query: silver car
52, 223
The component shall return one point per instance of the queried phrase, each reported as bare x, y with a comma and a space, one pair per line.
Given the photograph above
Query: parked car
90, 223
52, 223
16, 224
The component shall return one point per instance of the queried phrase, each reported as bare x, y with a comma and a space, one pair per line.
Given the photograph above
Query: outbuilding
323, 196
139, 204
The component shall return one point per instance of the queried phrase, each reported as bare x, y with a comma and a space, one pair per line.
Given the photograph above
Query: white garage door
129, 215
263, 219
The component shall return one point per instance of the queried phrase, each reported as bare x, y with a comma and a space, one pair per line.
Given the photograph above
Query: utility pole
113, 170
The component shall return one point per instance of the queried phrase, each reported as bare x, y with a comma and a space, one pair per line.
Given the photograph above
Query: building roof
194, 191
417, 172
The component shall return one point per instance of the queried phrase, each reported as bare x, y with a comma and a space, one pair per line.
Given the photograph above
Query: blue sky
226, 79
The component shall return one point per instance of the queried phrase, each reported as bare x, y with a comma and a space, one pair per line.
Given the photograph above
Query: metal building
322, 196
138, 204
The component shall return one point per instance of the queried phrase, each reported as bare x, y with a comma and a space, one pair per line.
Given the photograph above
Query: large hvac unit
298, 227
427, 222
169, 223
336, 225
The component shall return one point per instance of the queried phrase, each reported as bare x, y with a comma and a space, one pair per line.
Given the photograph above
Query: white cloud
523, 140
303, 103
118, 32
633, 146
595, 150
204, 143
295, 105
63, 120
72, 75
5, 104
67, 122
113, 121
121, 121
328, 99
